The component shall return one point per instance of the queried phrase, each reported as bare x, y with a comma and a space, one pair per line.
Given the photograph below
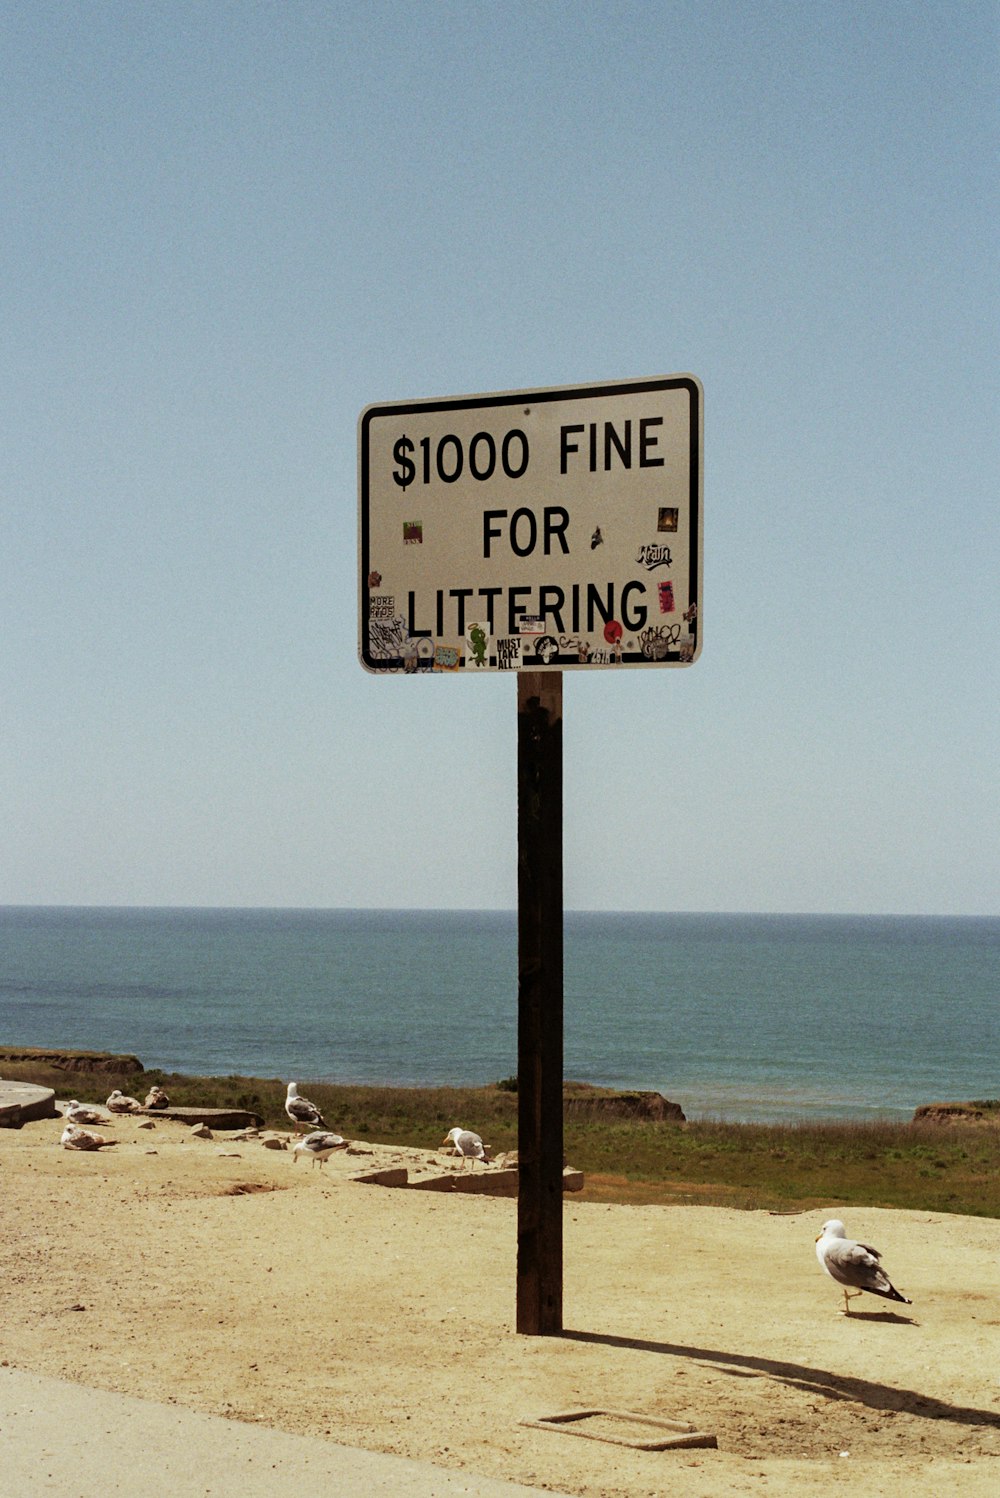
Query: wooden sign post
534, 532
540, 1003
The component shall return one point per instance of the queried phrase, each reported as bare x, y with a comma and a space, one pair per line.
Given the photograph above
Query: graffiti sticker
654, 555
446, 657
388, 637
477, 645
509, 653
381, 606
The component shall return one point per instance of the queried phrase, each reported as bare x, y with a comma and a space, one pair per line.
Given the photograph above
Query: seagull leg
848, 1297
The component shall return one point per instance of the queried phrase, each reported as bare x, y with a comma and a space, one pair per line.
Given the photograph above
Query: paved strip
59, 1438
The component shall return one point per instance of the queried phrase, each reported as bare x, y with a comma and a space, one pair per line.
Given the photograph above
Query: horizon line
504, 910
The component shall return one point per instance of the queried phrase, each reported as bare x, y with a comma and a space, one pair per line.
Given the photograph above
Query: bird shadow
818, 1381
884, 1318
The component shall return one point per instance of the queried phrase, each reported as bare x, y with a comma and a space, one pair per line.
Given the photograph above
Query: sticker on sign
538, 530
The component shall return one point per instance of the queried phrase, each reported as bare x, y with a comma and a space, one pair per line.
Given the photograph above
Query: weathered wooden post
540, 1003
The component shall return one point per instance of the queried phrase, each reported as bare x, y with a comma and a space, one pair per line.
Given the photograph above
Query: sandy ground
223, 1277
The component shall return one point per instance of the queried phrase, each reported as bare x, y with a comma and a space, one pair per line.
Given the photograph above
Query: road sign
539, 530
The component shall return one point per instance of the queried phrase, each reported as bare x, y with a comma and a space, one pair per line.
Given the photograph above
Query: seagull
468, 1145
319, 1145
119, 1103
82, 1139
854, 1265
82, 1113
157, 1098
301, 1111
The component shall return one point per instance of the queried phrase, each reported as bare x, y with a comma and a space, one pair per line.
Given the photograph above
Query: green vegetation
925, 1166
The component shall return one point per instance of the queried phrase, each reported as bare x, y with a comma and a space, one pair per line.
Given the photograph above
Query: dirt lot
219, 1275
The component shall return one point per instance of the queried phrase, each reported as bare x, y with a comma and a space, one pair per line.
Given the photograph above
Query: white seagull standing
855, 1266
301, 1111
320, 1146
468, 1145
74, 1138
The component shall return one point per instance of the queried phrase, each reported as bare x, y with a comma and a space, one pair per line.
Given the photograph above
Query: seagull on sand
855, 1266
74, 1138
119, 1103
468, 1145
319, 1145
301, 1111
82, 1113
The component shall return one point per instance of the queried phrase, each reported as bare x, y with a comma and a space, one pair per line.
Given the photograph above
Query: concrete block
393, 1176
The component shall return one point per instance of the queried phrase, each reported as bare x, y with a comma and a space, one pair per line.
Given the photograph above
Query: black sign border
383, 666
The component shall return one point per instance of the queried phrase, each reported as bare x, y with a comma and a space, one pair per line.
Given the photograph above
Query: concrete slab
485, 1182
391, 1176
216, 1118
488, 1182
30, 1102
58, 1439
224, 1119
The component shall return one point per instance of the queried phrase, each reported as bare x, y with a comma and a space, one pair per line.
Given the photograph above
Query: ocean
736, 1017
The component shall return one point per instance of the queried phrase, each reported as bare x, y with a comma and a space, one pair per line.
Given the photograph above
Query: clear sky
228, 227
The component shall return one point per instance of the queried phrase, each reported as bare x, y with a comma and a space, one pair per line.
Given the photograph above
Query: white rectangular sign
539, 530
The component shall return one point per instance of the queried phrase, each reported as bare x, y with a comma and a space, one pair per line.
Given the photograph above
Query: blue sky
228, 227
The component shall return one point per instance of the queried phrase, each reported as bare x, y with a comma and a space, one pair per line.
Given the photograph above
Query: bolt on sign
538, 530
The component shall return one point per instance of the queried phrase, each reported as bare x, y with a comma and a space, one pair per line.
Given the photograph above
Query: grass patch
922, 1166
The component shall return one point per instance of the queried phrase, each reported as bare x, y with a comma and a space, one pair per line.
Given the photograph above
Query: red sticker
666, 592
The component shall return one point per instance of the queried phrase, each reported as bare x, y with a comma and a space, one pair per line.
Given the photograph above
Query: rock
92, 1061
986, 1111
581, 1098
201, 1131
147, 1123
270, 1143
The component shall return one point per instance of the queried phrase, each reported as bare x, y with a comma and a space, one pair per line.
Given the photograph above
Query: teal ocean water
753, 1017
